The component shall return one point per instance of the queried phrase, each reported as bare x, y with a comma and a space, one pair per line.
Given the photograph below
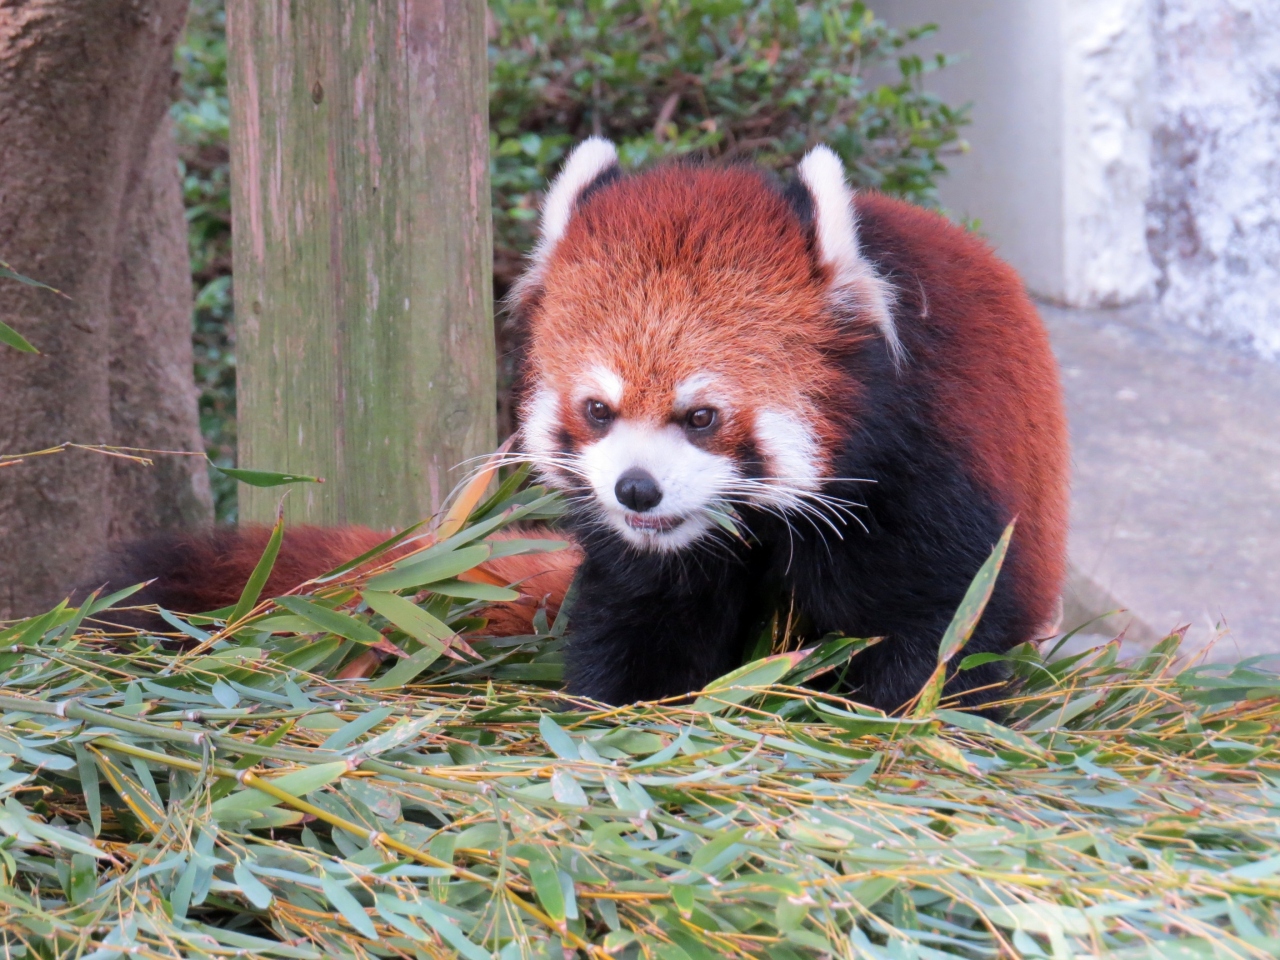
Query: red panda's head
683, 328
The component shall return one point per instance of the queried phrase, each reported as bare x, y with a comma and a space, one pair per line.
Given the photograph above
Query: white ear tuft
587, 161
854, 283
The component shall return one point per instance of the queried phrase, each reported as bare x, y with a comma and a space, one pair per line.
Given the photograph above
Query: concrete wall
1123, 149
1017, 133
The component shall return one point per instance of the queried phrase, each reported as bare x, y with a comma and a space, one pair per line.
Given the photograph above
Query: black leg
646, 626
889, 674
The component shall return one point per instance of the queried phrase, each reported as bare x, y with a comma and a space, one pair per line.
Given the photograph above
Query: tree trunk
89, 203
362, 251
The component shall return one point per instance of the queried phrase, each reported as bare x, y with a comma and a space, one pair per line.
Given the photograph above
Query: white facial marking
694, 391
792, 453
690, 480
541, 418
601, 383
854, 282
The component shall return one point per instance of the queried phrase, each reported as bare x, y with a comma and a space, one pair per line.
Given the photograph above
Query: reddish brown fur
216, 567
658, 298
1015, 440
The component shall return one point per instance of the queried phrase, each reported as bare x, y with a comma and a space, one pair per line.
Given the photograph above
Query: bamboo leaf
265, 478
373, 553
13, 338
406, 670
225, 694
561, 743
84, 878
402, 923
244, 803
428, 630
978, 659
403, 732
432, 569
261, 571
566, 789
474, 591
744, 682
8, 273
545, 880
255, 891
470, 494
356, 728
112, 599
980, 724
89, 784
15, 821
449, 931
331, 621
349, 907
520, 547
975, 600
963, 623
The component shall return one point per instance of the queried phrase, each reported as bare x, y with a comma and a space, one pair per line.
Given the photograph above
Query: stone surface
1176, 488
1214, 211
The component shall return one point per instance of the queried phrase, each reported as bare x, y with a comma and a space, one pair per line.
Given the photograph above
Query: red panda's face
681, 349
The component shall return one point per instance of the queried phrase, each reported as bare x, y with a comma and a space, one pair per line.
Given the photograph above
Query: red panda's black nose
638, 490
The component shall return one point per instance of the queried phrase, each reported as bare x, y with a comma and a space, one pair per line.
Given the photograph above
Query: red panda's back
979, 357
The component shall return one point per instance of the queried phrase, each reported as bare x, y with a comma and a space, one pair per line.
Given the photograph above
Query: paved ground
1176, 493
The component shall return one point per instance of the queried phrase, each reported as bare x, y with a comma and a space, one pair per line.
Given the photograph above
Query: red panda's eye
598, 411
701, 419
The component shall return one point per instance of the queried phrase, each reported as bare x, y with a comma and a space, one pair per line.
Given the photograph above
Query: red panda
864, 384
860, 386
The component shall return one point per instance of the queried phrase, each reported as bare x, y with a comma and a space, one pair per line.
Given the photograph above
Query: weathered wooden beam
363, 253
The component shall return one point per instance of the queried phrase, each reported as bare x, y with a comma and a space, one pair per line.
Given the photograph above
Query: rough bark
154, 399
362, 251
88, 204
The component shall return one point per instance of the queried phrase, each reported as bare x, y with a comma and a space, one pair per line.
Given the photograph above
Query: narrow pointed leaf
349, 907
8, 273
561, 743
331, 621
265, 478
474, 591
432, 569
13, 338
261, 571
254, 889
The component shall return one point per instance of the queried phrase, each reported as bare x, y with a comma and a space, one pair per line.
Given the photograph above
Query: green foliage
759, 79
201, 119
234, 798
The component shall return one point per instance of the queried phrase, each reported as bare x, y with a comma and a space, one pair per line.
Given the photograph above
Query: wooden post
363, 252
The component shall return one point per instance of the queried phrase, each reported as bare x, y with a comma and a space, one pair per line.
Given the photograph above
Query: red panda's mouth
638, 521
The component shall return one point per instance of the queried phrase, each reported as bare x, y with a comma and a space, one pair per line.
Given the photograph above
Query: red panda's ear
855, 285
587, 164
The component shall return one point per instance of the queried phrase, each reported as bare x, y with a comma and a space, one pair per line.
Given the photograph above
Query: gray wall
1011, 73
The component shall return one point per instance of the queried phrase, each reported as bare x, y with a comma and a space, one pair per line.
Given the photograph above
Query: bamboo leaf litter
233, 799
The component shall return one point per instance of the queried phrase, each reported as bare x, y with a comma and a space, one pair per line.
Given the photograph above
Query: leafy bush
236, 799
764, 79
758, 79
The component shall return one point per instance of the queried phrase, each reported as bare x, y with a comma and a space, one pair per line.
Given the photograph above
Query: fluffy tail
204, 570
